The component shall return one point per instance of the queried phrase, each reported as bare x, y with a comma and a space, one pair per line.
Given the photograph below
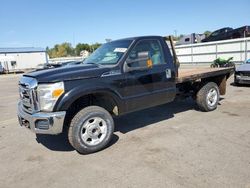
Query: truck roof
140, 37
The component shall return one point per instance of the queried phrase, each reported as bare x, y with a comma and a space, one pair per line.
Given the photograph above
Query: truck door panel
153, 86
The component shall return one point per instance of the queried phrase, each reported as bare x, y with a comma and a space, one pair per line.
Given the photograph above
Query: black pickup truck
228, 33
121, 76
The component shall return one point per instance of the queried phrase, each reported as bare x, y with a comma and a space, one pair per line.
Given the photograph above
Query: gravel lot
172, 145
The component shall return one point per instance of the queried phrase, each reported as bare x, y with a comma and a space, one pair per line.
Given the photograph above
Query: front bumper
242, 80
41, 122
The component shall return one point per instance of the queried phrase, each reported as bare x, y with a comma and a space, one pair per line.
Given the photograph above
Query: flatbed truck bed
190, 75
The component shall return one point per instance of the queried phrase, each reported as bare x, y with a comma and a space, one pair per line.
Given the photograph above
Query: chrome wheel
212, 97
93, 131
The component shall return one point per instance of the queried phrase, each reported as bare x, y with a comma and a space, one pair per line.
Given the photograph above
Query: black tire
202, 100
77, 125
214, 65
236, 83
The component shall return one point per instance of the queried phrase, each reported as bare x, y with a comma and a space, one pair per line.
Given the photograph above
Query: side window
151, 47
13, 63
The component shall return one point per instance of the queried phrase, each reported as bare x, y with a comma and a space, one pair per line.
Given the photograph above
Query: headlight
48, 95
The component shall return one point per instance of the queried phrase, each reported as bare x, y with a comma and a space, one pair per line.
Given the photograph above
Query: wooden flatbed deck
186, 75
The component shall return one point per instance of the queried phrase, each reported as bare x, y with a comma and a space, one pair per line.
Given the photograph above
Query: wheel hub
212, 97
93, 131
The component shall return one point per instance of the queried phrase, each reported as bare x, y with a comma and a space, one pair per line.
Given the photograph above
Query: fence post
245, 49
192, 55
216, 50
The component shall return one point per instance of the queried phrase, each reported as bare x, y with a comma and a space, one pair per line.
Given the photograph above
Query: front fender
67, 99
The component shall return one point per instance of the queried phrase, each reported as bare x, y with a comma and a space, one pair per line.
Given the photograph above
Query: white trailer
20, 59
207, 52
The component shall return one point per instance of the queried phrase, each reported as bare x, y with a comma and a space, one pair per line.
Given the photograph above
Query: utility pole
74, 40
175, 33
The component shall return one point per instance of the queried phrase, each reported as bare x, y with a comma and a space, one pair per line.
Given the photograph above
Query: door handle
168, 73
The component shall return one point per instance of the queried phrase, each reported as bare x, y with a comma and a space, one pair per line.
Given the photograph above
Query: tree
80, 47
65, 49
207, 33
95, 46
61, 50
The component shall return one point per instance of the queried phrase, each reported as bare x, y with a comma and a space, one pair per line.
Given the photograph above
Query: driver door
148, 86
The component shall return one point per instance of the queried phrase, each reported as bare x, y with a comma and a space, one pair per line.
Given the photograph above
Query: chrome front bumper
242, 79
41, 122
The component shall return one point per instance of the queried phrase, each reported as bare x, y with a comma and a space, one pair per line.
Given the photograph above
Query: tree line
66, 49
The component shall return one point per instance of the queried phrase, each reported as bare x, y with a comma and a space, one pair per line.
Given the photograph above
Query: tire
214, 65
207, 97
236, 83
91, 129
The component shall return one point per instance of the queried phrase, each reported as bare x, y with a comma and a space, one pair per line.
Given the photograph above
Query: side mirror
141, 62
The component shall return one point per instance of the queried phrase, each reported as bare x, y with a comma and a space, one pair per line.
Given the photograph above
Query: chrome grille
245, 73
28, 96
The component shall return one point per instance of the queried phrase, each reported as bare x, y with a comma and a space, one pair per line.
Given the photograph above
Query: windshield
109, 53
248, 61
215, 33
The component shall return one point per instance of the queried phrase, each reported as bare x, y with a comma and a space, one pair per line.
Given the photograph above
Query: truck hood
244, 67
67, 73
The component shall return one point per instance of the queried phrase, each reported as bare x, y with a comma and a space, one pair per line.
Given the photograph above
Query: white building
16, 59
84, 54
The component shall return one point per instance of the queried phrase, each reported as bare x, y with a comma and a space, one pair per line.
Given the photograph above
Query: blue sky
47, 22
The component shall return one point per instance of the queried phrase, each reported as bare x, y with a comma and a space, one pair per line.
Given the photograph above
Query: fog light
42, 124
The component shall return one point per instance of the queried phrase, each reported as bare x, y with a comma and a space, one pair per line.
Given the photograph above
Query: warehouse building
19, 59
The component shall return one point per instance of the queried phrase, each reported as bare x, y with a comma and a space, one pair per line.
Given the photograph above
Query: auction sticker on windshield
120, 50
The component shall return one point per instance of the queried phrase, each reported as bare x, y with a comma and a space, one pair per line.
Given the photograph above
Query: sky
27, 23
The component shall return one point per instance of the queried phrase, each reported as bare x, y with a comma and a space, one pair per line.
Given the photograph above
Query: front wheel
91, 129
208, 96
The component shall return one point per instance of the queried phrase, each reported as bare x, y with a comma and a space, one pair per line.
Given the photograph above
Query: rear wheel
91, 129
208, 96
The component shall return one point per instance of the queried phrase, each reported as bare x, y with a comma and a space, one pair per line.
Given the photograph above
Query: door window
152, 47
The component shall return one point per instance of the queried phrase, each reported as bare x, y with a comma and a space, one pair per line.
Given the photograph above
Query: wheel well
220, 81
191, 88
103, 100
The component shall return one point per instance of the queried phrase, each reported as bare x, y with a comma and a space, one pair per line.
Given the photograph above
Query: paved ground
172, 145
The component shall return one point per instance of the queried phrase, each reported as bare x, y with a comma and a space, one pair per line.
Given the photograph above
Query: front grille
25, 97
245, 73
28, 96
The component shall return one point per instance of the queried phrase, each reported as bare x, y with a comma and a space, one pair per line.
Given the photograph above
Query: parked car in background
242, 73
228, 33
57, 65
47, 66
71, 63
191, 39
